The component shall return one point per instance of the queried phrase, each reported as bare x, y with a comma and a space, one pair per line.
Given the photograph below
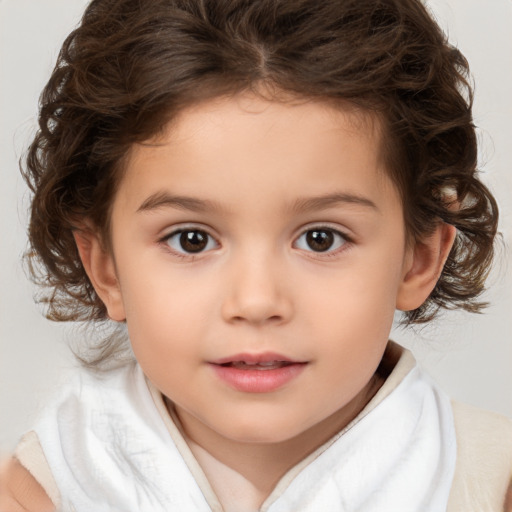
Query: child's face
300, 256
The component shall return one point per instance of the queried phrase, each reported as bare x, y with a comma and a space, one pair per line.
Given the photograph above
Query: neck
264, 464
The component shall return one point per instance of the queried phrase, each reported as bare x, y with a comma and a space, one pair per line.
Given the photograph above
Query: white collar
426, 434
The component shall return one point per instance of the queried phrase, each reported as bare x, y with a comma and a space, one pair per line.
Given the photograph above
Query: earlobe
424, 266
100, 268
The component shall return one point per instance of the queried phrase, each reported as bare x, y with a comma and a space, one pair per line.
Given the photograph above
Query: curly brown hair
131, 65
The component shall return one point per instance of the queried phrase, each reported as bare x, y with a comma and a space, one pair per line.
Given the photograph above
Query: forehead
249, 146
293, 118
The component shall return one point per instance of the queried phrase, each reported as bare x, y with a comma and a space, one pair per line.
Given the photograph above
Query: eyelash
345, 243
185, 255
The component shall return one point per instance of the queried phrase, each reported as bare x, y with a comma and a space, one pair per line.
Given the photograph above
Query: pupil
193, 241
320, 241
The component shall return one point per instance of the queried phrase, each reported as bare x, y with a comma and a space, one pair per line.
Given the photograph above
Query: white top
112, 446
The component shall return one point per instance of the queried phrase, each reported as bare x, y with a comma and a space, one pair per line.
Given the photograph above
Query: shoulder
484, 436
484, 459
20, 491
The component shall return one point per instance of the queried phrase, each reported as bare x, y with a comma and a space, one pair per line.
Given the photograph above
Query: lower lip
258, 381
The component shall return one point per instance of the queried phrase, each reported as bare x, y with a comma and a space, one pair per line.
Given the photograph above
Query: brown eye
190, 241
193, 241
320, 240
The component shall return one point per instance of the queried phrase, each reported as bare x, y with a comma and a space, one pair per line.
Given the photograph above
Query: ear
423, 266
100, 268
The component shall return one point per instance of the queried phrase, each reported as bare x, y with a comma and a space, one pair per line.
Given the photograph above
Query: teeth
263, 365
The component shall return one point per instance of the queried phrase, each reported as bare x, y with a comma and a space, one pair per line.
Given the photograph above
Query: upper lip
264, 357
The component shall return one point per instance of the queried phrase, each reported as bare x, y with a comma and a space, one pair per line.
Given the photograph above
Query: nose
258, 292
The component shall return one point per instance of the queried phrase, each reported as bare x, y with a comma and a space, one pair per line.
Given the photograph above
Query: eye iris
193, 241
320, 241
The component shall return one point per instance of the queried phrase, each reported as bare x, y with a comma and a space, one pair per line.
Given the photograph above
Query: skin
19, 491
257, 175
257, 286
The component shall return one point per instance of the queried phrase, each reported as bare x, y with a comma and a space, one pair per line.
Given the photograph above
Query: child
249, 190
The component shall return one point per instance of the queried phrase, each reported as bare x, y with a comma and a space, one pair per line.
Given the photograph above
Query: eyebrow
328, 200
165, 200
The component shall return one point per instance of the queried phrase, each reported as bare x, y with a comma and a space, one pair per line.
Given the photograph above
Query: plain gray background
469, 355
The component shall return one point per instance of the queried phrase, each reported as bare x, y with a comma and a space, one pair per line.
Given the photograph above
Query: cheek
155, 289
167, 313
353, 312
357, 298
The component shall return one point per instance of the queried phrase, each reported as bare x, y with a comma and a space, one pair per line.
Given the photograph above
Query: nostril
255, 316
257, 319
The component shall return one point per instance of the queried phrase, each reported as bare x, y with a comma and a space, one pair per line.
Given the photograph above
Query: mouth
265, 360
257, 373
263, 365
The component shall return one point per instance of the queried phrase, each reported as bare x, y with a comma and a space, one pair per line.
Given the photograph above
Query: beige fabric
235, 492
484, 443
401, 362
31, 456
484, 460
174, 427
221, 483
